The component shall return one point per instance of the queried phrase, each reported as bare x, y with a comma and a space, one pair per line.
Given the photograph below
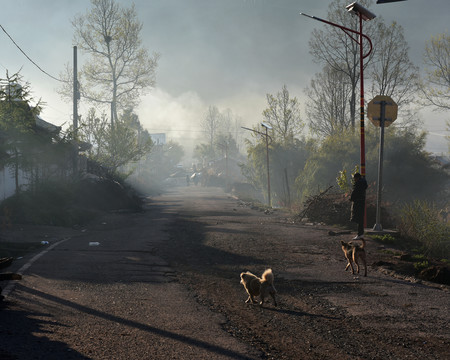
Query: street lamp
387, 1
366, 15
267, 136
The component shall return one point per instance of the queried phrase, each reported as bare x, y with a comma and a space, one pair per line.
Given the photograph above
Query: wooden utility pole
75, 110
75, 92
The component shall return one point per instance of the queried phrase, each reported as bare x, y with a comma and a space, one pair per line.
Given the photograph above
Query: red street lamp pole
366, 15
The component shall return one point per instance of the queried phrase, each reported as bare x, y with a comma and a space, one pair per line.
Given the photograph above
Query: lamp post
267, 136
366, 15
387, 1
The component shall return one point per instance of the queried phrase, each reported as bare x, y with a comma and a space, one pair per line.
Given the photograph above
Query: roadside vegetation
305, 161
69, 203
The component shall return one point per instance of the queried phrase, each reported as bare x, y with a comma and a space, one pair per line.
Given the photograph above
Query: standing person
358, 199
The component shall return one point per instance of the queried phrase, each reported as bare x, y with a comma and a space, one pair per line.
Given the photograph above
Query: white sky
227, 53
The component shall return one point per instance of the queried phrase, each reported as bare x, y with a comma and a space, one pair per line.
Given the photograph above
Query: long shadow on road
143, 327
187, 246
19, 338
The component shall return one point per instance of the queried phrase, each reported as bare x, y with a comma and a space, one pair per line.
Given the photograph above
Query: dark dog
256, 286
354, 253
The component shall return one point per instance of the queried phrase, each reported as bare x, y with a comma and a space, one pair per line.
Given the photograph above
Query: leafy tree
117, 146
93, 130
161, 162
203, 153
255, 170
18, 138
436, 85
408, 171
119, 69
226, 145
326, 160
283, 114
286, 161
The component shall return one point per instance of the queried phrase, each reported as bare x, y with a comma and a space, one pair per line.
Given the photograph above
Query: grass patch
418, 257
422, 224
419, 266
391, 252
386, 239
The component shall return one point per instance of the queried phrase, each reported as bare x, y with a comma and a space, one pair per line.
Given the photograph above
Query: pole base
377, 227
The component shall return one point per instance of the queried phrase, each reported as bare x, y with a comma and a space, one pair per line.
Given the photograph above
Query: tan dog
256, 286
354, 253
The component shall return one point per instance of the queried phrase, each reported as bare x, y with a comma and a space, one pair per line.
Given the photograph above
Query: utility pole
75, 110
269, 201
382, 111
267, 136
75, 92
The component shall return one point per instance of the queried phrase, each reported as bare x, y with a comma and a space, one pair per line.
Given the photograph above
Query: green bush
420, 222
419, 266
419, 257
67, 203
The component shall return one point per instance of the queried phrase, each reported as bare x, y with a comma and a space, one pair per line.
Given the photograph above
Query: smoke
176, 116
180, 116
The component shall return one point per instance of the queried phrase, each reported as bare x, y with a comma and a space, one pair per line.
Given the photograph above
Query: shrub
419, 266
420, 222
67, 203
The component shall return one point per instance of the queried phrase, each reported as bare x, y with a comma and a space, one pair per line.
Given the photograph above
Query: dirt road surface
164, 284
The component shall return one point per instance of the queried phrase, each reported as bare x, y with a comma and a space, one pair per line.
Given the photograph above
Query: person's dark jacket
358, 199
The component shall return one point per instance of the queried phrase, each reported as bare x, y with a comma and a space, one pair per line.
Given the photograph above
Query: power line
23, 52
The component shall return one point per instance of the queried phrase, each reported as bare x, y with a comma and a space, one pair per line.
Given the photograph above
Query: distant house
158, 139
31, 149
10, 176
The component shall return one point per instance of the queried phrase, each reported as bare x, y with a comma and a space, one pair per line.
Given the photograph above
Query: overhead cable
23, 52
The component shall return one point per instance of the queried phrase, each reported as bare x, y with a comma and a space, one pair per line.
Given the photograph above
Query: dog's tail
267, 276
363, 243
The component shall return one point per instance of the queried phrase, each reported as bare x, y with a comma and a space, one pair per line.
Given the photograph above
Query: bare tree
331, 46
119, 69
283, 114
389, 71
392, 72
328, 106
212, 124
436, 87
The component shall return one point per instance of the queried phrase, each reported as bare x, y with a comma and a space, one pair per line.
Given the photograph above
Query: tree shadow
33, 325
20, 337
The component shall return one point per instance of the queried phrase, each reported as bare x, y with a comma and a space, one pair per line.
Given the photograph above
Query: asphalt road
103, 293
164, 284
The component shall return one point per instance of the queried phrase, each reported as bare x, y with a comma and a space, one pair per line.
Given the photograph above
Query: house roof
44, 125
